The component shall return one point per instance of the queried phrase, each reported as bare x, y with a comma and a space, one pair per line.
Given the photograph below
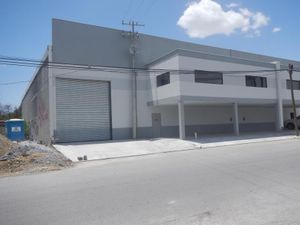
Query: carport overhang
181, 101
211, 100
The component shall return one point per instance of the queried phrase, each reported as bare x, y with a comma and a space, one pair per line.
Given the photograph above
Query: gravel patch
28, 156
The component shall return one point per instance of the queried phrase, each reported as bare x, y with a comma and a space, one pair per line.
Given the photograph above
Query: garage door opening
83, 110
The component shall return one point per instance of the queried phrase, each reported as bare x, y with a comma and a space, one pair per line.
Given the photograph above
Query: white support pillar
236, 119
279, 111
52, 98
181, 120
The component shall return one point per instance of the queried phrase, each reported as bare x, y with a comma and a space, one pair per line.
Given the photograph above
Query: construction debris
28, 157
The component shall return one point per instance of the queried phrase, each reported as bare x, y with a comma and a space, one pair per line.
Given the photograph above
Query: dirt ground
29, 157
5, 145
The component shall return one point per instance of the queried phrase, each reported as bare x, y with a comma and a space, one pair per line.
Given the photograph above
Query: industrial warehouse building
85, 89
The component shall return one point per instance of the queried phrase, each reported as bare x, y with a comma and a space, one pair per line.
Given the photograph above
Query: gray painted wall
35, 107
88, 44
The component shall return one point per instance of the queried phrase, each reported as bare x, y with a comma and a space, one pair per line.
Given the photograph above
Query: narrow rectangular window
296, 84
208, 77
256, 81
163, 79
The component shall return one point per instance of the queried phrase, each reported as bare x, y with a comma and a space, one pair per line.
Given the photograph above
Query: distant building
71, 104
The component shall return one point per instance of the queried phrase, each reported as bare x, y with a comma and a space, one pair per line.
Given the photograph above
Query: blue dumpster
14, 129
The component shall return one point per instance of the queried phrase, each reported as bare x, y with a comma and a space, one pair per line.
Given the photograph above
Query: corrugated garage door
83, 111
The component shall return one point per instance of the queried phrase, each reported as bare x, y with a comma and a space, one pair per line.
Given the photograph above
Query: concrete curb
234, 143
139, 155
251, 142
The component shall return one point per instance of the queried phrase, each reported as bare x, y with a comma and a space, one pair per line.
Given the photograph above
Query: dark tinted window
208, 77
163, 79
296, 84
256, 81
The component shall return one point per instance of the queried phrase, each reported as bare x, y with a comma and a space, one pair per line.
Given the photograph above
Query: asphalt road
246, 184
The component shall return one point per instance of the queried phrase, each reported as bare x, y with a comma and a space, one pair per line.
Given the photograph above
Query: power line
139, 6
77, 67
25, 61
14, 61
148, 10
154, 72
15, 82
192, 72
128, 9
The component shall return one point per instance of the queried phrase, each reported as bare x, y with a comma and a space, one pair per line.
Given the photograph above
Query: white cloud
206, 18
259, 20
245, 12
232, 5
276, 29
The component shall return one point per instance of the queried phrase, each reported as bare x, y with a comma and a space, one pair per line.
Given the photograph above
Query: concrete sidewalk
127, 148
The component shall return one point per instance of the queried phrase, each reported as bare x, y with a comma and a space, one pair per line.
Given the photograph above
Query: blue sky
25, 28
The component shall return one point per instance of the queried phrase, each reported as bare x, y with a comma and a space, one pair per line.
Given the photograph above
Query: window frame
263, 81
163, 77
288, 84
207, 73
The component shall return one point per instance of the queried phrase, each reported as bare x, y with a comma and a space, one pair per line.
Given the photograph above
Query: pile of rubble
28, 157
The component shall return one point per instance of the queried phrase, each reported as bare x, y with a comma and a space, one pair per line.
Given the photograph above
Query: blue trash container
15, 129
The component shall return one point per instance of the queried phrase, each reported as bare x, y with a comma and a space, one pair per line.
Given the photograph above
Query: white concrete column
181, 120
279, 107
236, 119
52, 98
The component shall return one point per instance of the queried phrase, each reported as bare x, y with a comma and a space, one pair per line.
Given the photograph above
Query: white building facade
183, 89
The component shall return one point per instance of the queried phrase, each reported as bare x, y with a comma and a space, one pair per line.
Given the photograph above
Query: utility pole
291, 68
132, 51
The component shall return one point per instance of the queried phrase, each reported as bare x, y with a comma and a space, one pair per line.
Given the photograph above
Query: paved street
244, 184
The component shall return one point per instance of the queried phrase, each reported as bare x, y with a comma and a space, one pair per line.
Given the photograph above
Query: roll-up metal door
83, 111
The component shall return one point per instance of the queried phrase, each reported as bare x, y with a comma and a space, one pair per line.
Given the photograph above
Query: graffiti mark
42, 112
